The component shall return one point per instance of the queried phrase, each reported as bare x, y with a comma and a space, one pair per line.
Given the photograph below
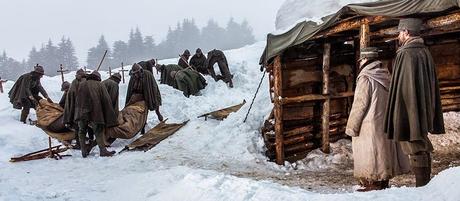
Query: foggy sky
27, 23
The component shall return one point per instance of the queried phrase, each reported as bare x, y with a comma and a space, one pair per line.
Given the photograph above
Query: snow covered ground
205, 160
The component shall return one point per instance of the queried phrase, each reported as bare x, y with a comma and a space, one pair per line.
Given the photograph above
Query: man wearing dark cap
94, 110
183, 59
71, 101
24, 93
414, 104
65, 86
198, 62
376, 158
148, 65
143, 83
112, 87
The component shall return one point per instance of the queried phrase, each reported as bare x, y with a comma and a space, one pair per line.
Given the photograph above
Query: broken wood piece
154, 136
41, 154
222, 113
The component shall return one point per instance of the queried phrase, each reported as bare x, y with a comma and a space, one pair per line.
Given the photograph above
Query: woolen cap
39, 69
410, 24
65, 85
369, 53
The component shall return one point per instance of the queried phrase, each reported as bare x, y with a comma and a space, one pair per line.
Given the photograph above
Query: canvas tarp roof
303, 31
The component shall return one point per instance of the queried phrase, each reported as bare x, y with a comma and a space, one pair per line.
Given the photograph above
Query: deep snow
294, 11
205, 160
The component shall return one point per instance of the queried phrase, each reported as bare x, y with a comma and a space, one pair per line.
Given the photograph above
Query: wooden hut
313, 69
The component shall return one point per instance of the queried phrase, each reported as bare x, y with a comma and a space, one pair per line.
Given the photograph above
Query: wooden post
326, 104
1, 84
61, 70
123, 72
364, 37
279, 141
110, 71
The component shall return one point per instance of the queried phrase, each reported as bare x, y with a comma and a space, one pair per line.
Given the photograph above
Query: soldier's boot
103, 151
24, 114
77, 141
83, 148
421, 167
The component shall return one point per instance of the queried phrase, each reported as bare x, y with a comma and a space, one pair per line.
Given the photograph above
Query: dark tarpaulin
303, 31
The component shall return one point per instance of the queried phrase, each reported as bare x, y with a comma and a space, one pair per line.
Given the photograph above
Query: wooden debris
154, 136
222, 113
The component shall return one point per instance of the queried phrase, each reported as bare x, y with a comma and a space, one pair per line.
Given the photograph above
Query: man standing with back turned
414, 104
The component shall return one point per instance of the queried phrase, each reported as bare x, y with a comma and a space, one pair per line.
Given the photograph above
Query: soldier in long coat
148, 65
217, 56
414, 105
142, 82
65, 86
94, 109
198, 62
189, 81
112, 86
376, 158
165, 74
183, 59
24, 93
71, 102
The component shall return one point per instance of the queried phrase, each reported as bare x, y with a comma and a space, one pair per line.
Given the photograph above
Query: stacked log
301, 140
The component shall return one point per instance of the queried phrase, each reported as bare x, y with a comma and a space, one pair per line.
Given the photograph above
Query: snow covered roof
304, 31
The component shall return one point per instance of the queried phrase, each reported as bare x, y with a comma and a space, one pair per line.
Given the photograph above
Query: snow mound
294, 11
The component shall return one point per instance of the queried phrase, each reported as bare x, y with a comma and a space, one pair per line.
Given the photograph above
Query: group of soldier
90, 105
391, 116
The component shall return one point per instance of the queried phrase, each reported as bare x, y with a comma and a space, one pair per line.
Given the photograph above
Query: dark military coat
113, 90
414, 104
147, 86
26, 85
199, 63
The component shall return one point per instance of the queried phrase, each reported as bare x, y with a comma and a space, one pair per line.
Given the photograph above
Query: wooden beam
326, 105
432, 26
277, 72
351, 24
364, 38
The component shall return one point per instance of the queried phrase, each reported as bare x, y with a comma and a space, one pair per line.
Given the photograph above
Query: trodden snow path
197, 163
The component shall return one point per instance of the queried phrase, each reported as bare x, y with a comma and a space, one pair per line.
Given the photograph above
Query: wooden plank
326, 104
351, 24
277, 71
296, 131
364, 37
433, 26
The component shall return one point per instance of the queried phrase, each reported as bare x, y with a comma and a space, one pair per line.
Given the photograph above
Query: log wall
313, 96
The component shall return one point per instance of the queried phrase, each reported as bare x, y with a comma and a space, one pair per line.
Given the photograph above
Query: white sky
27, 23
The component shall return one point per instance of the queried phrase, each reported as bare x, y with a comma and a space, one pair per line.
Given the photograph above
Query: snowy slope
197, 163
294, 11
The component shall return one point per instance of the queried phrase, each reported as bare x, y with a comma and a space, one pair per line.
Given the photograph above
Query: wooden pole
278, 112
326, 104
123, 72
110, 71
102, 60
364, 35
61, 70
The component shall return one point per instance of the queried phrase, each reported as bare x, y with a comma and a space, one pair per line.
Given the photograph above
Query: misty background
83, 26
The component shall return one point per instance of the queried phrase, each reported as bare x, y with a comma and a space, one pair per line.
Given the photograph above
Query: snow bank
294, 11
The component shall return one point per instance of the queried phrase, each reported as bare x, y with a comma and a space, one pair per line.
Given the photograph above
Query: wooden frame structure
312, 84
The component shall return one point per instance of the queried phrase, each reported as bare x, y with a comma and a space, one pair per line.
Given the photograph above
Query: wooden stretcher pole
279, 141
326, 104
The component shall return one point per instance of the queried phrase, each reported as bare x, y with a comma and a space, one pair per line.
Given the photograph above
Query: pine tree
120, 53
212, 36
149, 48
135, 46
50, 58
66, 53
95, 55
